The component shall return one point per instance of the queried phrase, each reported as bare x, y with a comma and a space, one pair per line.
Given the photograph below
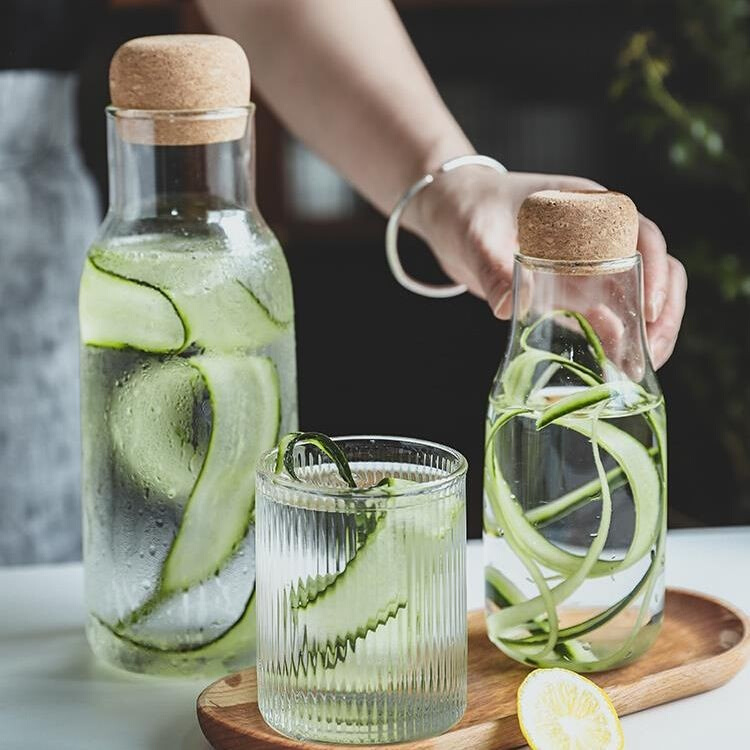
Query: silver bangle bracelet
391, 232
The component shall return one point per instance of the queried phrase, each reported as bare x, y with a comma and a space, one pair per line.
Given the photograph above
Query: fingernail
658, 347
656, 306
502, 309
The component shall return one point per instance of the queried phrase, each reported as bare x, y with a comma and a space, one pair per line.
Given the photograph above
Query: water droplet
174, 212
152, 550
141, 554
244, 569
146, 583
159, 522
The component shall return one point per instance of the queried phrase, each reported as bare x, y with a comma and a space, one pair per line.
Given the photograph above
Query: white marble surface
55, 696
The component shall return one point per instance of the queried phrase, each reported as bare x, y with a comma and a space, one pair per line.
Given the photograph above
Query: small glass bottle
187, 364
575, 464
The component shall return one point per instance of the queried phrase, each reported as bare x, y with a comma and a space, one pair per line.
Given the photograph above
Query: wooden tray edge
667, 686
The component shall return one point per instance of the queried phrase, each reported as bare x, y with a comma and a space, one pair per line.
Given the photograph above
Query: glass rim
268, 459
579, 267
218, 113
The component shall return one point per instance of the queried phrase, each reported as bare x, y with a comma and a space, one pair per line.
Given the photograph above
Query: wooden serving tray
703, 643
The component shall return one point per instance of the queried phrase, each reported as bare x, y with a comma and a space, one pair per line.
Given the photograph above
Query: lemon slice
561, 710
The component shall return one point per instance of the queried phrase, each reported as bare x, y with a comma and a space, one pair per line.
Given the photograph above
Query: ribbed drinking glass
361, 593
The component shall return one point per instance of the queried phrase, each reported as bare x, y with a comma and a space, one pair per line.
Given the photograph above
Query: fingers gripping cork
182, 81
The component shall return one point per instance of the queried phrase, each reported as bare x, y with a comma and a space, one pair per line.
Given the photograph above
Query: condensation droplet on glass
152, 550
145, 583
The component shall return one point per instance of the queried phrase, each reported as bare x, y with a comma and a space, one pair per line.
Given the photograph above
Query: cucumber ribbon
244, 398
331, 612
154, 308
635, 464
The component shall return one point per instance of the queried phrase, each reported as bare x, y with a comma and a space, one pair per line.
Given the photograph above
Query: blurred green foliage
686, 91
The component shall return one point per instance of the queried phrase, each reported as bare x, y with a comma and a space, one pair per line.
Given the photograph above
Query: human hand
468, 217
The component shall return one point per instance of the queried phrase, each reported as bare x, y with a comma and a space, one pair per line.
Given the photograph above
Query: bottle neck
562, 307
177, 182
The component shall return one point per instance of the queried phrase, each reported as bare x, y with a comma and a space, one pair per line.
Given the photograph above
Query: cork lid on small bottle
173, 80
580, 226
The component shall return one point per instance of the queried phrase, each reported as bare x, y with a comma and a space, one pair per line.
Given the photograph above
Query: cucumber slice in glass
364, 597
245, 407
159, 436
117, 312
229, 646
220, 313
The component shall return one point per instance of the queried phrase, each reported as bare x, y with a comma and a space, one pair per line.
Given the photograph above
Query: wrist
421, 213
447, 207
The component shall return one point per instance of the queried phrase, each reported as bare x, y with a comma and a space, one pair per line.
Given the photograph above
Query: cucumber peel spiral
528, 629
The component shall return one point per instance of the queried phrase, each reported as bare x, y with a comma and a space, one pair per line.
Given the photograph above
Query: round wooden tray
703, 643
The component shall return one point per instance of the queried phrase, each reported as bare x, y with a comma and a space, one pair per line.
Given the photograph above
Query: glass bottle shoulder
225, 248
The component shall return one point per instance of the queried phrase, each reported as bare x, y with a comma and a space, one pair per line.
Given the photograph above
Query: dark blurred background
650, 98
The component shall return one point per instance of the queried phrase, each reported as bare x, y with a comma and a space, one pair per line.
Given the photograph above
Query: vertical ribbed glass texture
361, 596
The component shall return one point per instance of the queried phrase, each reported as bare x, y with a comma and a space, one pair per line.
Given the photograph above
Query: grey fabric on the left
49, 212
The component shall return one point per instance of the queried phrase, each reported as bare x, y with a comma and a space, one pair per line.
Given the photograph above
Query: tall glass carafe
187, 366
575, 464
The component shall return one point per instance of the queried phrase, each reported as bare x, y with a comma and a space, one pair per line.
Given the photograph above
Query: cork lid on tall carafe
181, 89
577, 226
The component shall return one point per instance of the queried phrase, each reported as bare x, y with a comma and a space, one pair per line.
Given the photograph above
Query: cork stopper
584, 226
173, 76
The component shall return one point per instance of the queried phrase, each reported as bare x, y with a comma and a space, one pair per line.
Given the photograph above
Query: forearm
344, 77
